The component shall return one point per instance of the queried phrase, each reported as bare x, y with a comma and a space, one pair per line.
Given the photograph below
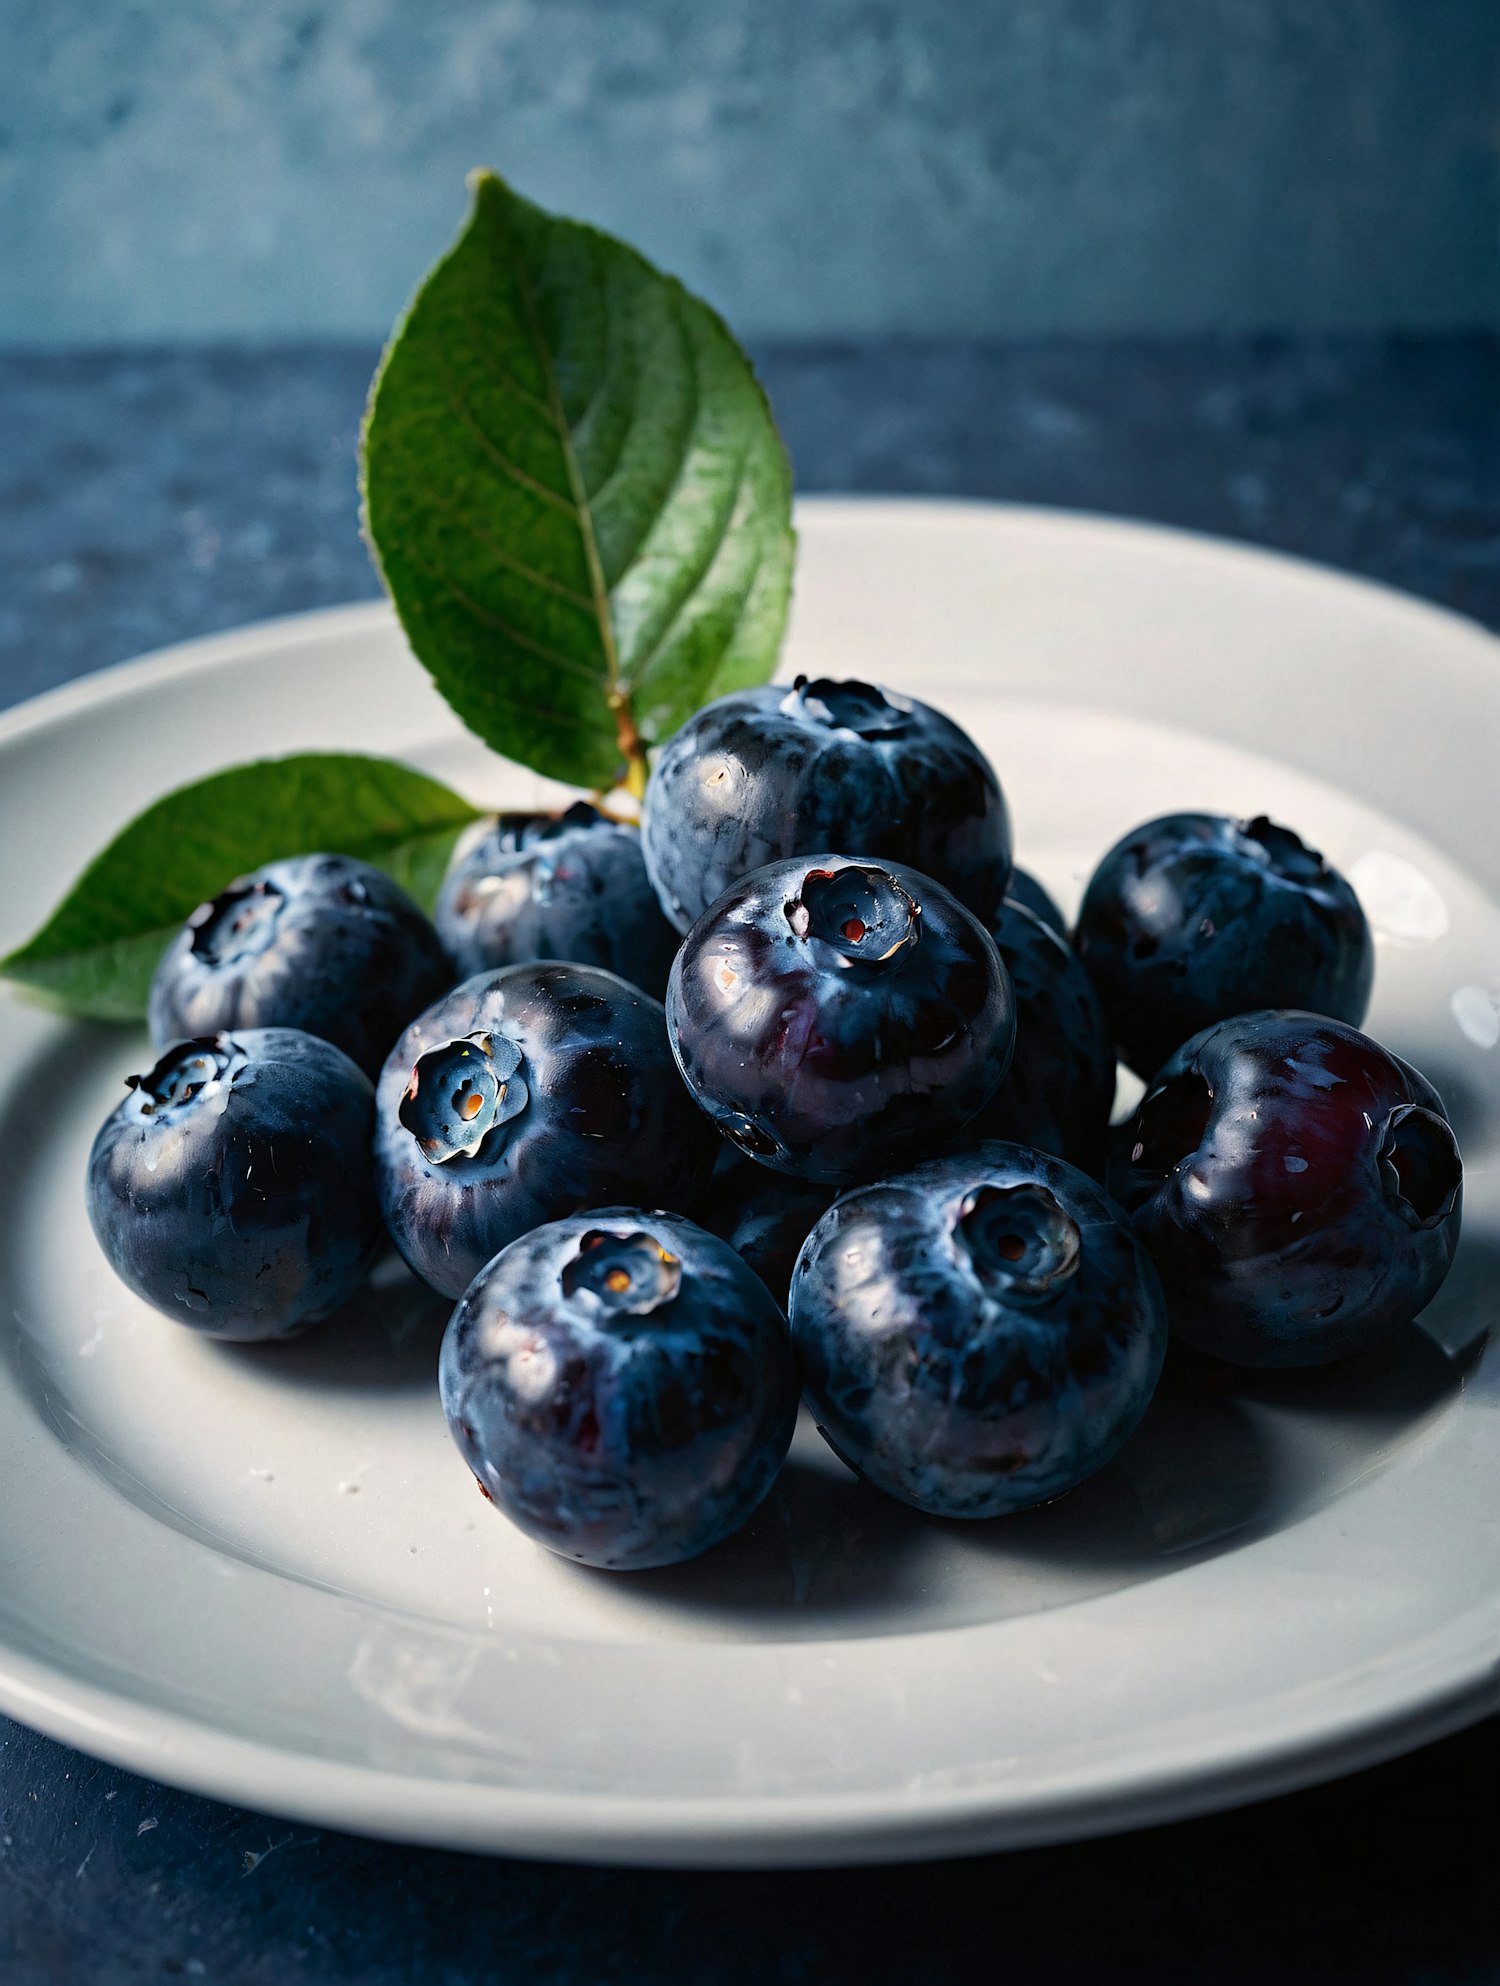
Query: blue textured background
242, 168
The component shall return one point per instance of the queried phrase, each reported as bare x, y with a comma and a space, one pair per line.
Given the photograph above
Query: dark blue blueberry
979, 1334
775, 772
1061, 1084
836, 1017
1195, 917
1023, 888
548, 886
524, 1095
318, 942
765, 1216
232, 1188
622, 1387
1298, 1187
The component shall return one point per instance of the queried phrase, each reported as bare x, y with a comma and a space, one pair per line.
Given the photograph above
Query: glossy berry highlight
1195, 917
769, 773
978, 1334
555, 886
232, 1187
834, 1017
522, 1096
622, 1386
319, 942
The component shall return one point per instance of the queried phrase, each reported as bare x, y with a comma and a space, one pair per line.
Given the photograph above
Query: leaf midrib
598, 590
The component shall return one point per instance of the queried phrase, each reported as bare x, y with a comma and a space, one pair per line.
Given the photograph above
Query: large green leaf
575, 493
96, 953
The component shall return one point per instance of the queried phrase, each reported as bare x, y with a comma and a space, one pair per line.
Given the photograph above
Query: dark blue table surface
149, 496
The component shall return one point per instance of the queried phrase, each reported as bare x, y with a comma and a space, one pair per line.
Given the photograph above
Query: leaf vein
497, 454
569, 664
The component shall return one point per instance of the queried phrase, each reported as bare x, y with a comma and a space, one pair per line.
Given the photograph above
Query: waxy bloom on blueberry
836, 1016
318, 942
524, 1095
1195, 917
774, 772
979, 1334
1298, 1186
622, 1386
550, 886
232, 1187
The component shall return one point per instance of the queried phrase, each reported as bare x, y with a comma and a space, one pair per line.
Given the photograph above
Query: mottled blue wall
249, 167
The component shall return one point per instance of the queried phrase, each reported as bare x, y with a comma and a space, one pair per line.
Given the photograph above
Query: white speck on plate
1477, 1015
1402, 904
147, 1824
91, 1345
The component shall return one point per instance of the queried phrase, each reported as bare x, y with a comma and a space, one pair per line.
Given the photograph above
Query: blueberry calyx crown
1285, 854
849, 706
460, 1092
860, 912
1420, 1168
239, 923
630, 1274
187, 1072
1019, 1240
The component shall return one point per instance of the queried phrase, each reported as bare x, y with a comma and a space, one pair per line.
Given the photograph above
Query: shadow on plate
384, 1339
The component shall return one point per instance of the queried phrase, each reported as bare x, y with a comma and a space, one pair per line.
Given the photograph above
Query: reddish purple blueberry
838, 1017
1299, 1189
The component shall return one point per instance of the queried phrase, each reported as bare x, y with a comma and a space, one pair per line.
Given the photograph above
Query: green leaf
575, 493
96, 953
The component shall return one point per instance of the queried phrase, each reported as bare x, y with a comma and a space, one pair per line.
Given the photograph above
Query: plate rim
799, 1831
156, 666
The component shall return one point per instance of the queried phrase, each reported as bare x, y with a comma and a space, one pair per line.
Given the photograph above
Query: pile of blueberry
862, 1154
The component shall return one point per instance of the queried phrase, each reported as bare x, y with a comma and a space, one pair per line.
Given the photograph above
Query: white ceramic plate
265, 1574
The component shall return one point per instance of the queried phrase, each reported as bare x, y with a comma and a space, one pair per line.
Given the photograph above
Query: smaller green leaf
96, 953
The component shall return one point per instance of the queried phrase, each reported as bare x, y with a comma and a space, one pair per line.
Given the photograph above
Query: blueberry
765, 1216
775, 772
1024, 889
318, 942
524, 1095
1061, 1084
1195, 917
548, 886
232, 1188
837, 1016
1298, 1186
622, 1387
978, 1334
